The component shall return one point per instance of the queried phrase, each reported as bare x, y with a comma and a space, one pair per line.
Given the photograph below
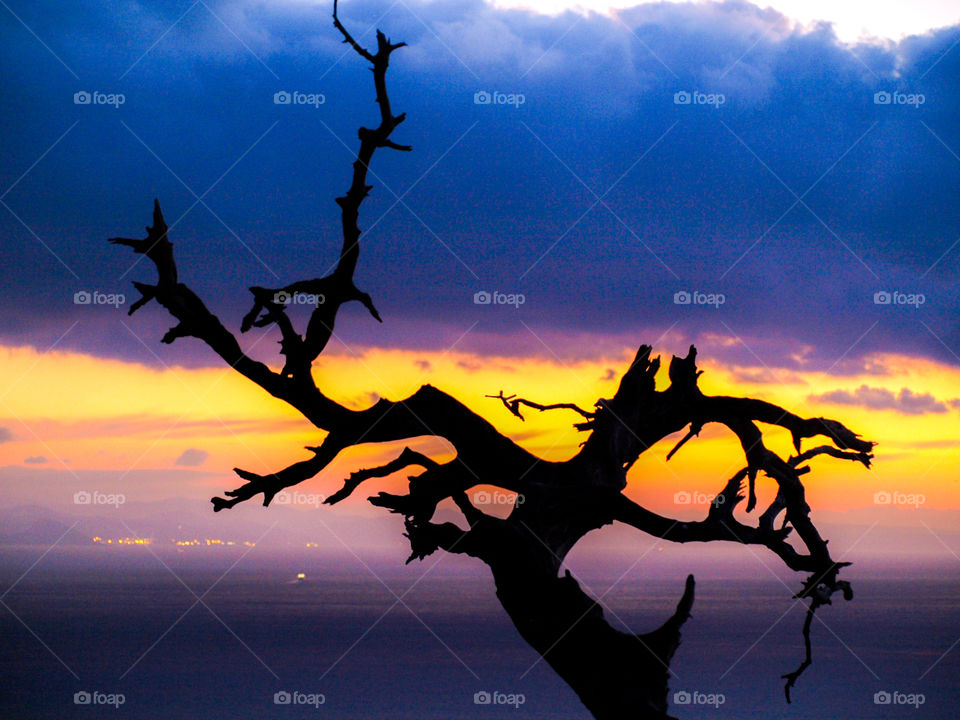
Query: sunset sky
799, 198
776, 184
62, 423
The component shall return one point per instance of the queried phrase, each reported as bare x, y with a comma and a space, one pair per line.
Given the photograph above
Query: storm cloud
668, 153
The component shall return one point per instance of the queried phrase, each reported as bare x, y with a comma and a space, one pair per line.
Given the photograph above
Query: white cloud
851, 21
191, 457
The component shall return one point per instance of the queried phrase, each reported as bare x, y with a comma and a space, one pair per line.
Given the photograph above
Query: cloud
906, 401
5, 435
35, 460
470, 365
192, 457
764, 376
695, 198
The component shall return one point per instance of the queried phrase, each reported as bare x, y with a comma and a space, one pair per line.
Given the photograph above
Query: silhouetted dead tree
616, 674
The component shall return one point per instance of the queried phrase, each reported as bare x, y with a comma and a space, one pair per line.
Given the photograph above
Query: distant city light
207, 542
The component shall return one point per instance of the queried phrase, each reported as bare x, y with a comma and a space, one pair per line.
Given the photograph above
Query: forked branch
555, 504
513, 403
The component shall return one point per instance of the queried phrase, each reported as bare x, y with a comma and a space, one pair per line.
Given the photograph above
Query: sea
92, 633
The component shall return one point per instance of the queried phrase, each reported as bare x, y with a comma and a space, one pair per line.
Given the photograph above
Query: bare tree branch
513, 403
791, 677
407, 458
616, 674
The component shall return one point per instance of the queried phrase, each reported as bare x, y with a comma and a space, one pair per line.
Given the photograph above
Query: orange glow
85, 413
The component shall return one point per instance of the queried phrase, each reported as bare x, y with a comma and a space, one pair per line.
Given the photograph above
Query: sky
790, 169
885, 20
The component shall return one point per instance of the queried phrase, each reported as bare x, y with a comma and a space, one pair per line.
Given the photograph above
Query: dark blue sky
598, 198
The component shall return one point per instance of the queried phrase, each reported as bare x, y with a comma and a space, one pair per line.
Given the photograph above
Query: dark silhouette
616, 674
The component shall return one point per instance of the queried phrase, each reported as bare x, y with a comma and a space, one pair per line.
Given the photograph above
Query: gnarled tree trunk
616, 674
